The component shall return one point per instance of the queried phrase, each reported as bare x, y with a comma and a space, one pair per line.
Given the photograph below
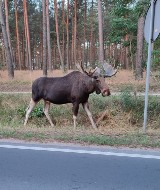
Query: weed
21, 111
37, 112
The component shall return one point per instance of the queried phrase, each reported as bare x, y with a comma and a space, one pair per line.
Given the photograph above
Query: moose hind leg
45, 110
86, 108
29, 110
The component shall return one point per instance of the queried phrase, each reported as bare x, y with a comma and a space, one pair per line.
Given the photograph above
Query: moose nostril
106, 92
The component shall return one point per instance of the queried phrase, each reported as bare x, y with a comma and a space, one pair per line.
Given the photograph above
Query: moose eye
98, 81
95, 77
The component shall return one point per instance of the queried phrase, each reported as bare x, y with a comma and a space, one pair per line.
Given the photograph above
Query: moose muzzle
106, 92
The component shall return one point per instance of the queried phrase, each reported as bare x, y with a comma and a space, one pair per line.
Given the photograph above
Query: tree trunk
6, 44
63, 33
3, 52
100, 24
27, 34
72, 45
23, 49
67, 31
140, 40
126, 53
7, 29
84, 37
57, 33
91, 38
17, 35
75, 32
44, 39
26, 42
48, 37
131, 54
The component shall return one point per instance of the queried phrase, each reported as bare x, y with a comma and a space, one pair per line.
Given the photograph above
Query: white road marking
78, 151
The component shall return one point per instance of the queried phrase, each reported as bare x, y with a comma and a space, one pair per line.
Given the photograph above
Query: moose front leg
86, 108
75, 113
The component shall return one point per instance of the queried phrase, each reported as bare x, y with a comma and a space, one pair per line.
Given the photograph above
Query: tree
48, 36
140, 42
17, 36
44, 39
57, 33
85, 25
7, 27
141, 8
6, 44
27, 35
67, 32
91, 36
75, 33
100, 24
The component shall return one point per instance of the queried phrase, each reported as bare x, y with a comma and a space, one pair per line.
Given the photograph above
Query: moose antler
81, 69
109, 70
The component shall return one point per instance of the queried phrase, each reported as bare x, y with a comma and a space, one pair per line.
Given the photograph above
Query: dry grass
23, 80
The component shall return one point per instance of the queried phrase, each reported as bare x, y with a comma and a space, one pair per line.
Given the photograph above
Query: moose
74, 88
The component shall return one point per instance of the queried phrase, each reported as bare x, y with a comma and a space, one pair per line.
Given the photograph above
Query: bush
135, 105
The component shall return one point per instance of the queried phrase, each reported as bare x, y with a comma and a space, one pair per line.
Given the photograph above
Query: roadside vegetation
119, 119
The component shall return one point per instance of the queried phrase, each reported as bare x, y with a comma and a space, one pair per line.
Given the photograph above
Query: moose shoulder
73, 88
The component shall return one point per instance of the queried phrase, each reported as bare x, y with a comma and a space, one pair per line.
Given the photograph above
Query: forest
47, 35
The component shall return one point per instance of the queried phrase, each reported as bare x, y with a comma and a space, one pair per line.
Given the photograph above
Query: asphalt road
53, 167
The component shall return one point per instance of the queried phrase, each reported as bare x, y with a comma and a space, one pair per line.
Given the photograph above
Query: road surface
57, 167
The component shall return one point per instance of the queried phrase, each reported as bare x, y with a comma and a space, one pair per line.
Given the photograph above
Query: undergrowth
120, 125
13, 108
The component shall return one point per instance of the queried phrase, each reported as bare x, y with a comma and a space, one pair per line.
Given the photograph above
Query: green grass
128, 140
122, 126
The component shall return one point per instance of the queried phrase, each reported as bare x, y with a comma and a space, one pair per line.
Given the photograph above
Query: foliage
37, 112
132, 104
156, 58
135, 105
120, 19
141, 7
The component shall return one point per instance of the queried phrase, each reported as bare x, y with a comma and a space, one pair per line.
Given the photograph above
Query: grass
132, 140
121, 125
